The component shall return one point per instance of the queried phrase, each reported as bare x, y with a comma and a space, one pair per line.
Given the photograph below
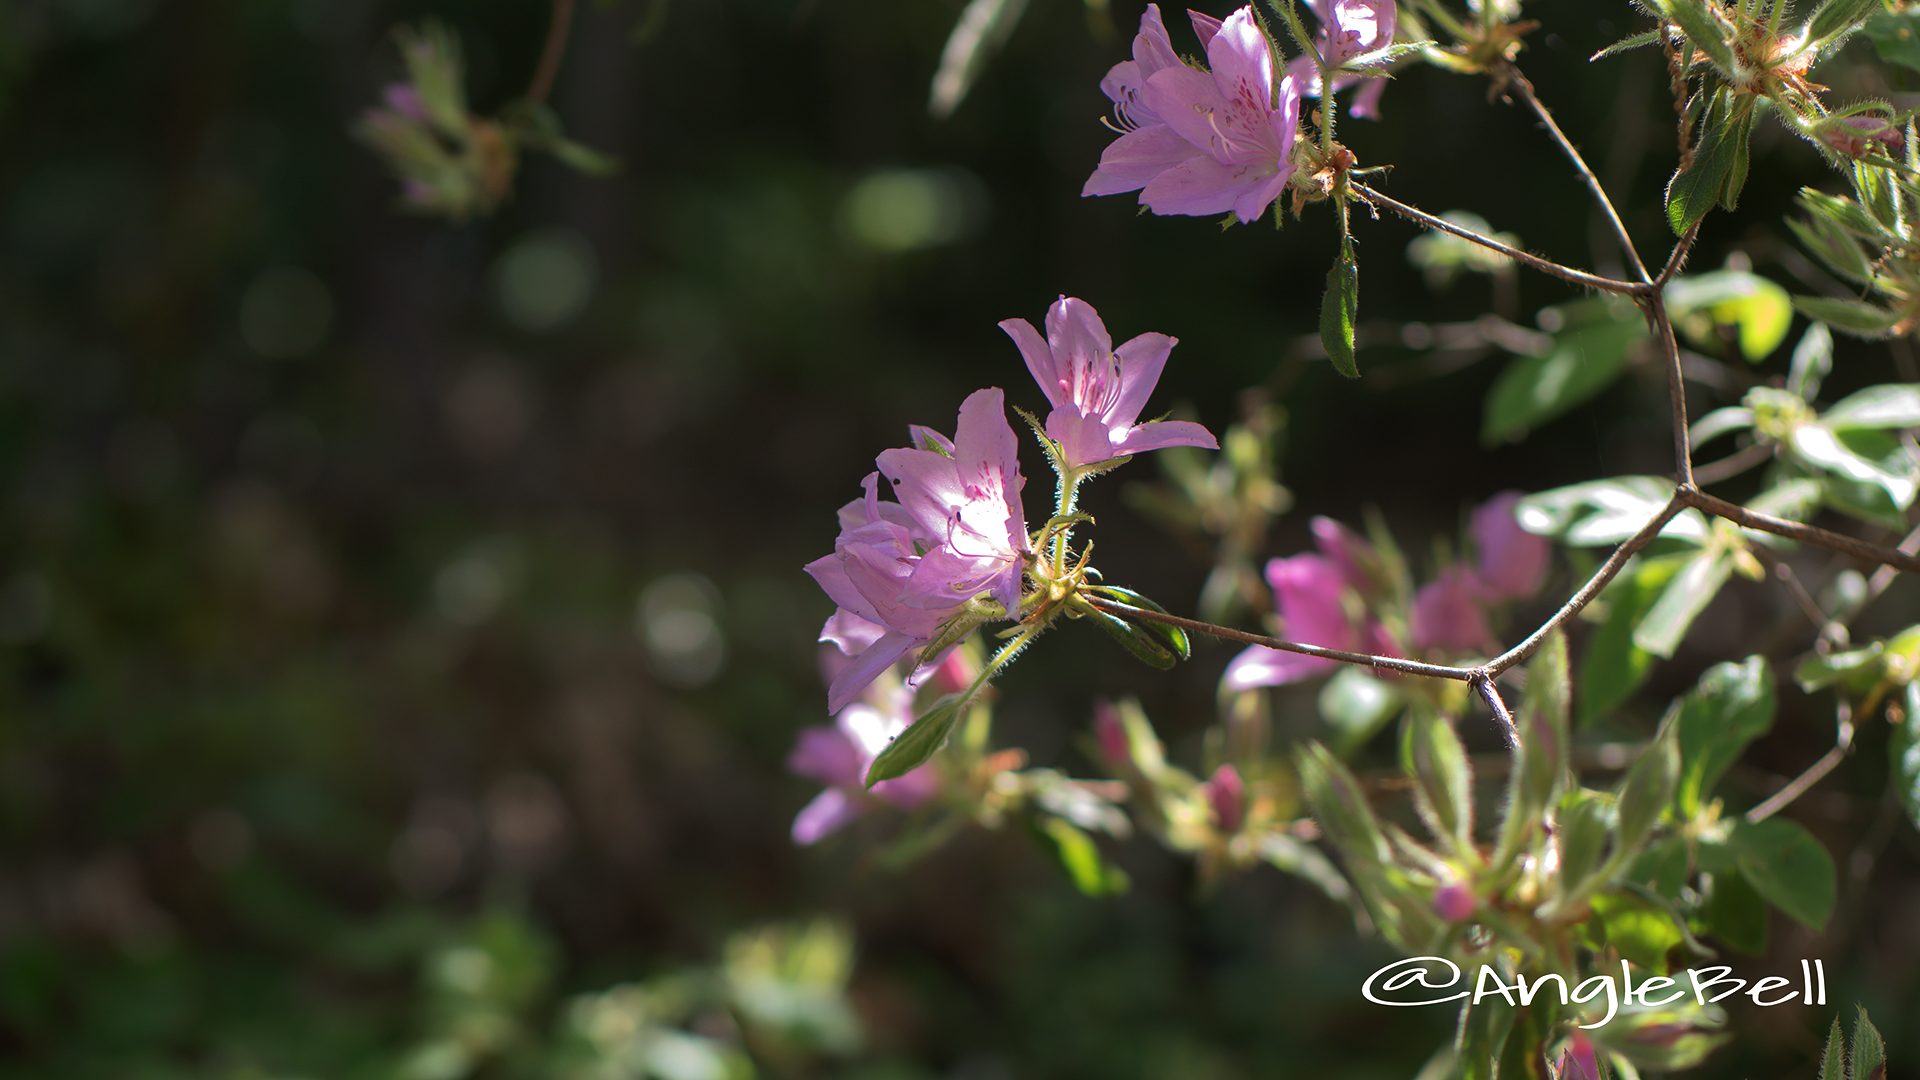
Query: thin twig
1816, 772
1678, 257
1545, 266
1520, 83
1662, 327
1579, 600
1713, 472
1384, 663
1796, 530
1490, 694
551, 52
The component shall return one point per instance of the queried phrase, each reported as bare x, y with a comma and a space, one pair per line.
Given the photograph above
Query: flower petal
1141, 361
1197, 187
1038, 355
1260, 666
1076, 332
827, 755
1161, 434
1083, 439
1242, 58
1134, 159
828, 813
865, 668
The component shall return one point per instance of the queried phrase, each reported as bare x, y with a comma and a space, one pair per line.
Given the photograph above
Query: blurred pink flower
1111, 734
1200, 142
1454, 902
1579, 1061
1349, 28
1447, 616
1513, 561
904, 568
838, 755
1098, 391
1309, 595
1861, 134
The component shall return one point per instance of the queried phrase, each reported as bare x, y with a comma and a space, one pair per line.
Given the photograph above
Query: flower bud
1455, 903
1227, 794
1579, 1062
1112, 735
1862, 134
955, 672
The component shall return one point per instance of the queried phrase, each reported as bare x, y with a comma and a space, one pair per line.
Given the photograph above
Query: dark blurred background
401, 622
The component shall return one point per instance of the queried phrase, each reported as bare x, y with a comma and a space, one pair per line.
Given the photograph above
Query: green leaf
1136, 638
1356, 705
1650, 37
1339, 311
1812, 362
1732, 705
1291, 855
1682, 601
1643, 931
915, 746
1833, 1060
1788, 868
1601, 513
1896, 37
1580, 834
1540, 771
1482, 1036
1721, 149
1342, 810
1701, 30
1860, 455
1905, 752
1895, 405
1835, 247
1833, 20
1735, 914
1443, 791
1585, 359
1722, 421
1080, 857
1854, 317
1173, 638
1646, 791
1662, 867
1869, 1052
1614, 667
1760, 310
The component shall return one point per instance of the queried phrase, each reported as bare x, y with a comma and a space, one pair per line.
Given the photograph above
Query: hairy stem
1511, 74
1545, 266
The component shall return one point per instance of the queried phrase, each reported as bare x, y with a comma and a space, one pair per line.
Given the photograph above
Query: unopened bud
1455, 903
1861, 135
1112, 734
1579, 1062
1227, 794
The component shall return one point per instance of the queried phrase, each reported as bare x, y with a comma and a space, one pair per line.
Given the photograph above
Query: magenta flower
900, 569
1111, 735
1200, 142
1513, 561
1309, 592
1098, 391
1579, 1061
1349, 28
839, 755
1447, 616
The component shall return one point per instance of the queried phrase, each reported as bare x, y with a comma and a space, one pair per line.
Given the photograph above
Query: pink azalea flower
838, 756
902, 568
1201, 142
1579, 1061
1349, 28
1513, 561
1309, 594
1111, 734
1447, 616
1098, 391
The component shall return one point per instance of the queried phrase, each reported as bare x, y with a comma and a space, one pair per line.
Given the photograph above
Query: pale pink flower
1201, 142
1349, 28
838, 756
1447, 616
903, 568
1309, 593
1098, 391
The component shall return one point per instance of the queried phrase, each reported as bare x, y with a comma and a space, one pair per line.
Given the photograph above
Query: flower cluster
1201, 142
1349, 29
956, 536
1324, 598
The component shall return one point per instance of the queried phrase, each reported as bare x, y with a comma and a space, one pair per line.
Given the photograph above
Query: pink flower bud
1227, 794
1579, 1062
1455, 902
1861, 135
405, 100
1112, 734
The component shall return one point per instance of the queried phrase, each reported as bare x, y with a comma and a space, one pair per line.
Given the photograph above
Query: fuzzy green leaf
915, 746
1339, 310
